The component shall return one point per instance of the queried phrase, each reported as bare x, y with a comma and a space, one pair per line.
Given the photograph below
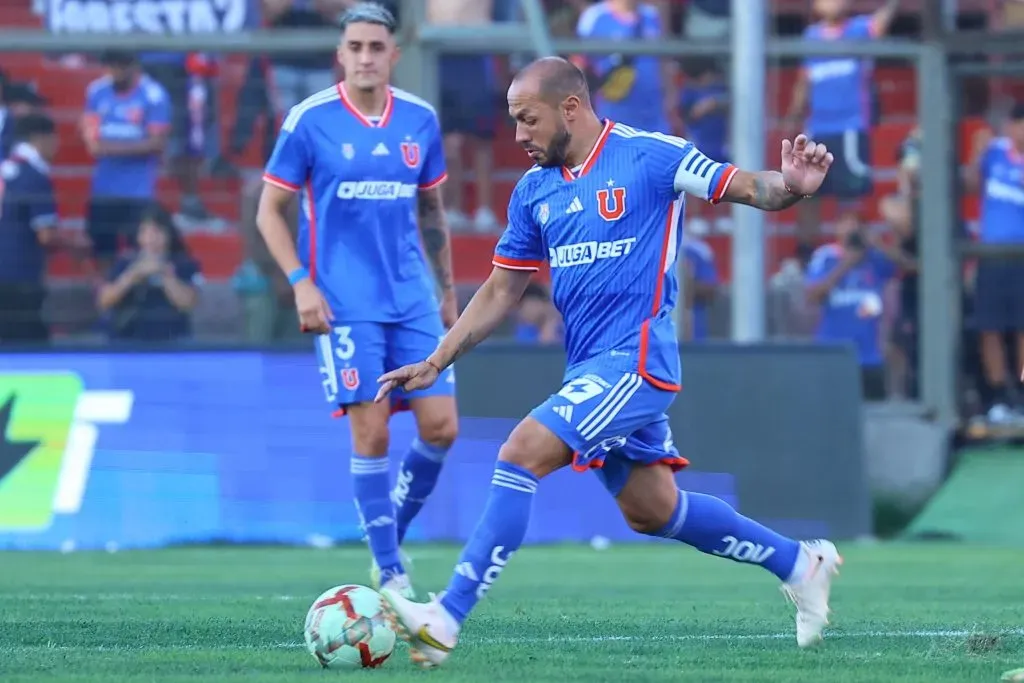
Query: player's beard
555, 154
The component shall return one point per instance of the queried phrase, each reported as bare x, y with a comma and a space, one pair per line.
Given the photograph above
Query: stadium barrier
148, 449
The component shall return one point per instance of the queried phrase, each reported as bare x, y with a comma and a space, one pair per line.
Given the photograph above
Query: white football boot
810, 592
402, 584
428, 629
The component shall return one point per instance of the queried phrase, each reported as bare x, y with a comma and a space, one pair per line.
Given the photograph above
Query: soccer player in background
368, 162
836, 95
602, 206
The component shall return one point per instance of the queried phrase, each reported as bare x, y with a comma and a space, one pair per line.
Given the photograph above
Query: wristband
433, 365
297, 276
790, 190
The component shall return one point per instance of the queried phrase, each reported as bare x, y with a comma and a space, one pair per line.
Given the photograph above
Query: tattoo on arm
770, 193
436, 239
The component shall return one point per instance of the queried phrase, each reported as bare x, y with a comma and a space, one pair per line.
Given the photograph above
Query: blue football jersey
130, 116
1002, 193
839, 92
611, 230
359, 179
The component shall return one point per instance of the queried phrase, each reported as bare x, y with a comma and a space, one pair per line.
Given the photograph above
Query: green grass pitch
903, 613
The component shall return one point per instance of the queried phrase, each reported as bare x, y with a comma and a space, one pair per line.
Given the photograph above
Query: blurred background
921, 100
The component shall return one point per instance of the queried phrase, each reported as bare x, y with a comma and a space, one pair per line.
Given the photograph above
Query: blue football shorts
613, 421
354, 355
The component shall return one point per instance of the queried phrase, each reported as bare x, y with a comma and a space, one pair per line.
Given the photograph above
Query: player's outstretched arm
804, 165
489, 307
437, 244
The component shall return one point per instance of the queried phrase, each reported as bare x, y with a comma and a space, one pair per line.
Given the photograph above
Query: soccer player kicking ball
367, 160
602, 205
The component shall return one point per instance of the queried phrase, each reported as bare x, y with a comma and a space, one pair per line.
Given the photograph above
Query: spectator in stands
127, 117
708, 19
704, 105
19, 99
701, 286
188, 80
28, 222
267, 298
837, 96
295, 77
151, 292
997, 173
469, 96
537, 320
638, 91
847, 280
900, 212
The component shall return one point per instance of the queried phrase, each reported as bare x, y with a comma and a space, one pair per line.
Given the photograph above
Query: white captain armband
696, 173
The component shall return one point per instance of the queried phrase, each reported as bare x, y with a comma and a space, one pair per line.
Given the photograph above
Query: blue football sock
711, 526
498, 534
416, 480
371, 483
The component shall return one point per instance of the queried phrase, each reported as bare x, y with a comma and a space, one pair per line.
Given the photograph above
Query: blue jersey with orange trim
1002, 193
610, 231
839, 93
129, 116
359, 179
852, 312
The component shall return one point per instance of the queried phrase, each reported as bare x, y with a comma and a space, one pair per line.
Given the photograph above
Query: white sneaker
428, 629
457, 220
404, 585
810, 592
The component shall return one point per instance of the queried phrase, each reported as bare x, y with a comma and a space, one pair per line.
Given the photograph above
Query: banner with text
174, 17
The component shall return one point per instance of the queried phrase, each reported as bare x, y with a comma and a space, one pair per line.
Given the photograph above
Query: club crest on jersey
611, 204
411, 154
350, 378
543, 213
348, 151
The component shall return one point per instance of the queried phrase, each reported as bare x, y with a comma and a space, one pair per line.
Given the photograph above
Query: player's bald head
551, 79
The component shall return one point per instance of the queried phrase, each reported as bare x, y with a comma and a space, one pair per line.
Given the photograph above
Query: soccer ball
346, 628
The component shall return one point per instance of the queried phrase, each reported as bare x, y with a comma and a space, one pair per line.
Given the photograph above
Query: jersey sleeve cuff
280, 182
434, 183
516, 263
724, 180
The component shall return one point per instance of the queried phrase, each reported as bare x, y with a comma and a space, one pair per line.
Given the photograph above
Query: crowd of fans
157, 113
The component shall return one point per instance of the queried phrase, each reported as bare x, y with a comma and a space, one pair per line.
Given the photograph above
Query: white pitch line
716, 637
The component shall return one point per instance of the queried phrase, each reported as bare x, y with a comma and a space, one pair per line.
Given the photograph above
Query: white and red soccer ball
346, 628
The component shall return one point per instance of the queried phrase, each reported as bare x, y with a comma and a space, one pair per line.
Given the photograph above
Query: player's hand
804, 165
449, 308
409, 377
314, 313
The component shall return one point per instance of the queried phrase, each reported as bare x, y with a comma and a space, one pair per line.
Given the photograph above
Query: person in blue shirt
638, 91
125, 126
701, 284
151, 291
837, 96
601, 207
704, 107
848, 280
28, 225
368, 162
997, 174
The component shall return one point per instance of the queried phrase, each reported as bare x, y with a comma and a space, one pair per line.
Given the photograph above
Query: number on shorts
346, 348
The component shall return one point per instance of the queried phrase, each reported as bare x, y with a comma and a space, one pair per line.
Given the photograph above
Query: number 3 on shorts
344, 347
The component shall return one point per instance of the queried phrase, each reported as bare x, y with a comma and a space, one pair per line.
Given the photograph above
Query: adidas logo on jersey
564, 412
575, 206
380, 150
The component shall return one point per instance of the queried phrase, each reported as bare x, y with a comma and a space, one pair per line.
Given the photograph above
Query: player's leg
351, 358
531, 452
640, 476
437, 422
